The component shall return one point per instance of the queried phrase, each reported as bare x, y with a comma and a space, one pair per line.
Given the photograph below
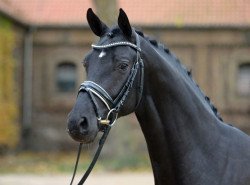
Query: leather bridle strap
98, 91
94, 160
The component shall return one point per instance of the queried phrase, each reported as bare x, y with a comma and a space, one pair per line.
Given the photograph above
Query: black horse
187, 140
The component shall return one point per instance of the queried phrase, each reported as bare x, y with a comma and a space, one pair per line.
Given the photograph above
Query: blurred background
42, 44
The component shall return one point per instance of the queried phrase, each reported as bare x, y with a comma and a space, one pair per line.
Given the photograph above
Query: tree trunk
107, 11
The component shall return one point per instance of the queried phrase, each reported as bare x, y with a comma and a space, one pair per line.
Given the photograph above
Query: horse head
111, 67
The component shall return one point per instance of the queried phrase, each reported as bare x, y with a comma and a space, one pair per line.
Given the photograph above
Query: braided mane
160, 46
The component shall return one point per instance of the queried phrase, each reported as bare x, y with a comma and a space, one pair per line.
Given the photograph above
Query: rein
113, 105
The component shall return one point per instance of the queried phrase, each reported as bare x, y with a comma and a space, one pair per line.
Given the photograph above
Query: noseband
94, 91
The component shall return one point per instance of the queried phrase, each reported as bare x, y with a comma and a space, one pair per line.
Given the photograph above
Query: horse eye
123, 66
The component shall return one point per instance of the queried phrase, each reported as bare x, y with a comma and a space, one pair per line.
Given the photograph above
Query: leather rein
113, 105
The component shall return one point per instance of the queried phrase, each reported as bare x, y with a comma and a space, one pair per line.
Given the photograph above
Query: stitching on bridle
116, 44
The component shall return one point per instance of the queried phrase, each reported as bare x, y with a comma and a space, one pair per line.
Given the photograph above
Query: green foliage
8, 95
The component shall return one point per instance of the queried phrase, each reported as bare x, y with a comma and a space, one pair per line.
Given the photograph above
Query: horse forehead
107, 40
102, 54
115, 51
123, 51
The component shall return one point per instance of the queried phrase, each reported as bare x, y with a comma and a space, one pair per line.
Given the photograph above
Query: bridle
94, 91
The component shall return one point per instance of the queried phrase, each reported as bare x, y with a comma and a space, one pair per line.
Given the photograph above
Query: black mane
116, 30
160, 46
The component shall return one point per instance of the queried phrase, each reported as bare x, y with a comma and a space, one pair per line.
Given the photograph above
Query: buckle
110, 119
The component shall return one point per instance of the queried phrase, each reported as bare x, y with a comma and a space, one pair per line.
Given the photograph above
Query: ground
122, 178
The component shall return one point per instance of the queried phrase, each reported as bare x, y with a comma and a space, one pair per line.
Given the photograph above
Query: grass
52, 163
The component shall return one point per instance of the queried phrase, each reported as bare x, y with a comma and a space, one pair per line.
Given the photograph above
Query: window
66, 77
243, 80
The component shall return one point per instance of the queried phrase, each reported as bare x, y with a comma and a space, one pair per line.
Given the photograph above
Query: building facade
49, 66
219, 59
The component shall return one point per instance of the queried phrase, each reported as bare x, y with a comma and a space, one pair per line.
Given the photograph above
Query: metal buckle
107, 121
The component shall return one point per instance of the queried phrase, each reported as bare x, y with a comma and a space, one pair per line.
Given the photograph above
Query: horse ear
124, 24
96, 25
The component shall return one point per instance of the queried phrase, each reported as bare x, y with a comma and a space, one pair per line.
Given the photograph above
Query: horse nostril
83, 125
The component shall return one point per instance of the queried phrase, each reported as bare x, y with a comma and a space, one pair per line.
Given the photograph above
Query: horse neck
175, 119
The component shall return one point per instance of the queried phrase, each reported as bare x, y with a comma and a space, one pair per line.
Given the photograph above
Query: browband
116, 44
